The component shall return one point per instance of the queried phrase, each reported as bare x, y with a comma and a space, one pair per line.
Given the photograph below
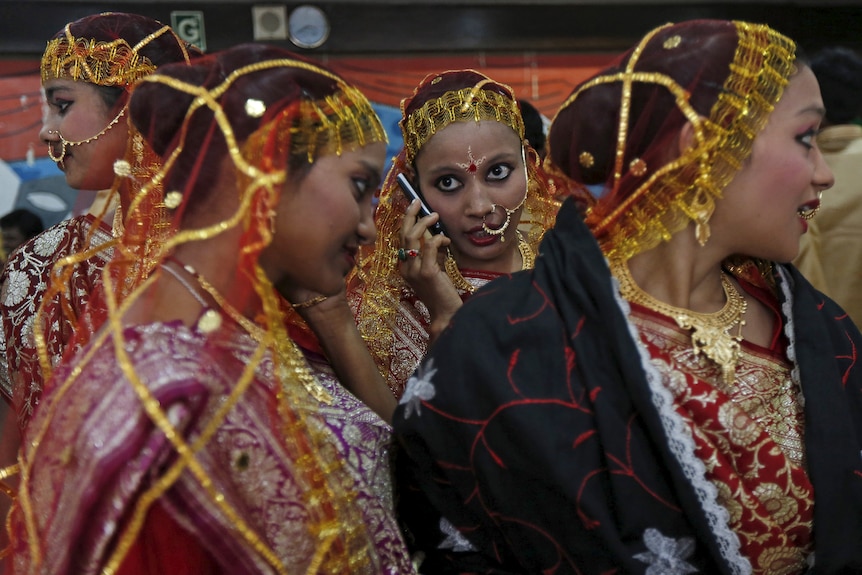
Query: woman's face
322, 219
76, 111
759, 214
464, 171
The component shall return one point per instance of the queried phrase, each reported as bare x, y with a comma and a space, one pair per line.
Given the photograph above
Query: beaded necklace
528, 259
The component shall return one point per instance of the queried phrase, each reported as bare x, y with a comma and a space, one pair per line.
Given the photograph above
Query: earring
701, 228
702, 208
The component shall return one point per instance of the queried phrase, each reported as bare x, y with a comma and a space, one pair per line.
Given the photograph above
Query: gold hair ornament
466, 104
113, 63
344, 119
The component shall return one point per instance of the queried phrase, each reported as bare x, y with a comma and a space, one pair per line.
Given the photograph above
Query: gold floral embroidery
749, 437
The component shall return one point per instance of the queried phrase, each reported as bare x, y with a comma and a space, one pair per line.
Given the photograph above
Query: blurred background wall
540, 48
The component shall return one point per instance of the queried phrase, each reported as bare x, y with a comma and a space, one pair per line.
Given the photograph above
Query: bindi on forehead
472, 166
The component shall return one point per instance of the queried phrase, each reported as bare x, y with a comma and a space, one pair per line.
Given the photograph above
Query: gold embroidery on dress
755, 404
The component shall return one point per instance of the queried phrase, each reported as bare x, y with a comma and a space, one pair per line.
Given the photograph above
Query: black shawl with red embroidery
535, 433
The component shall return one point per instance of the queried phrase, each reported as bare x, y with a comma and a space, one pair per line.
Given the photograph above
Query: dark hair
655, 119
25, 221
132, 28
839, 73
159, 111
534, 126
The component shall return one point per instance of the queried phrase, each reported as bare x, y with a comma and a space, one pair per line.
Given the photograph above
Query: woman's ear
685, 139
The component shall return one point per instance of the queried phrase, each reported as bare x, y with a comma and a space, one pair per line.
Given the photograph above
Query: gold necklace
711, 332
528, 259
283, 346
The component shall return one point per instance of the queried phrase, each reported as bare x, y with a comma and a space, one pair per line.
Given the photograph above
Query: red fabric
26, 280
165, 547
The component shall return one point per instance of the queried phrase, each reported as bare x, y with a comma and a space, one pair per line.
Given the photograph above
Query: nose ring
502, 229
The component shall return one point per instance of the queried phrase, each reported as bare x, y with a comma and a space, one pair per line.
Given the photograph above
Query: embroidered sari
25, 281
407, 329
561, 441
100, 456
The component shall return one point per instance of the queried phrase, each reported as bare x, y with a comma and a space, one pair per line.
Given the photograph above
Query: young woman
465, 154
88, 70
679, 400
192, 434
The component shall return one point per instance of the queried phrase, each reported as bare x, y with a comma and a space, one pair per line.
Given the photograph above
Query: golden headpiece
105, 63
343, 120
646, 198
461, 105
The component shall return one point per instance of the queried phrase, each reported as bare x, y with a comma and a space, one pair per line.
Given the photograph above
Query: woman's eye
362, 185
61, 105
807, 138
499, 172
447, 184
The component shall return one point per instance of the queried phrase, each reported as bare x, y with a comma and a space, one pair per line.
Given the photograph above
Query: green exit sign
189, 25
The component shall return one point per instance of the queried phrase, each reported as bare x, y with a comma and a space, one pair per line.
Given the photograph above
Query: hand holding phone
424, 210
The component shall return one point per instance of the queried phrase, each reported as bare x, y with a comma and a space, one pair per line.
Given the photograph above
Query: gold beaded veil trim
667, 199
113, 63
308, 128
376, 285
458, 106
345, 118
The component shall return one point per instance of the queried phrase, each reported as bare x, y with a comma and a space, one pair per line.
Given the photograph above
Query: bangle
309, 303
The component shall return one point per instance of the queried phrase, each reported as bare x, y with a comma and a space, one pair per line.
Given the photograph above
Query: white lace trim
790, 331
681, 446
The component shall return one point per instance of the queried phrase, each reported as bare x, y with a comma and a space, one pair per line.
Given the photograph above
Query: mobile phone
424, 210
